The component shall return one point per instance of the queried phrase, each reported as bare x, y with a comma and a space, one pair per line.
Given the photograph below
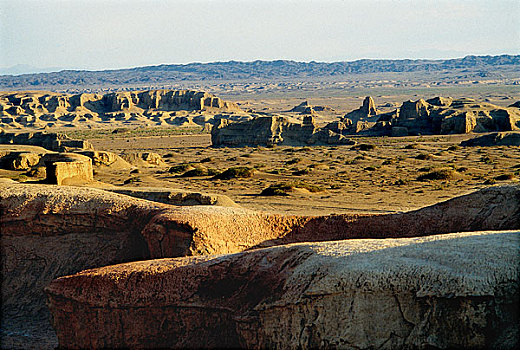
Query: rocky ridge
479, 66
39, 109
42, 225
435, 116
450, 291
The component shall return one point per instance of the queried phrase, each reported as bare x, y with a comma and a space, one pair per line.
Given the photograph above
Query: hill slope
234, 70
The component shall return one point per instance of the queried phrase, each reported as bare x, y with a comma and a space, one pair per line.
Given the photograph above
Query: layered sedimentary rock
273, 130
306, 108
68, 169
458, 290
33, 108
57, 142
50, 231
438, 115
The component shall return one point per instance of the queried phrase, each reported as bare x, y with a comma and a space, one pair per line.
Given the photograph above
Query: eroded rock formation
446, 291
52, 231
68, 169
438, 115
494, 139
57, 142
35, 218
33, 109
273, 130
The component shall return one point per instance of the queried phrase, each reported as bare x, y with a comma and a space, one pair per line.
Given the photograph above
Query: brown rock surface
51, 231
143, 158
32, 109
68, 168
446, 291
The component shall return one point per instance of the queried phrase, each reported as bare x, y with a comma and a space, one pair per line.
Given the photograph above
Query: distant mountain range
256, 70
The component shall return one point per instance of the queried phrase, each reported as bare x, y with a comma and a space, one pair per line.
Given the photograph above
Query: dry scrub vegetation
377, 175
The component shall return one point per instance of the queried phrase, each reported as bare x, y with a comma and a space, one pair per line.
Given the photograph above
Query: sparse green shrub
293, 161
504, 177
121, 131
400, 182
424, 156
177, 169
363, 147
132, 180
284, 188
439, 174
200, 171
235, 173
300, 172
486, 159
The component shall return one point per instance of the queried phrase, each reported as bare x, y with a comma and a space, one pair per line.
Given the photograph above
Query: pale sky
106, 34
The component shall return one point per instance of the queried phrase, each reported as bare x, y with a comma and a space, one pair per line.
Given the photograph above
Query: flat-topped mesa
57, 142
166, 100
273, 130
68, 169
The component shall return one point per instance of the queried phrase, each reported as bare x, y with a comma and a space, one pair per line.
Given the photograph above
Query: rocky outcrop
494, 139
432, 292
68, 169
143, 158
32, 108
273, 130
306, 108
35, 218
51, 231
367, 110
57, 142
101, 157
438, 115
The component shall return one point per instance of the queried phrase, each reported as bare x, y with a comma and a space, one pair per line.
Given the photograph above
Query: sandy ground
380, 180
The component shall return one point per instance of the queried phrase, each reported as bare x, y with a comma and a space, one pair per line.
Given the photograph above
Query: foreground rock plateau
51, 231
446, 291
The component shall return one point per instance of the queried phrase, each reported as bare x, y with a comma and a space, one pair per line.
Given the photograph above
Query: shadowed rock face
68, 168
52, 231
495, 139
52, 141
274, 130
445, 291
